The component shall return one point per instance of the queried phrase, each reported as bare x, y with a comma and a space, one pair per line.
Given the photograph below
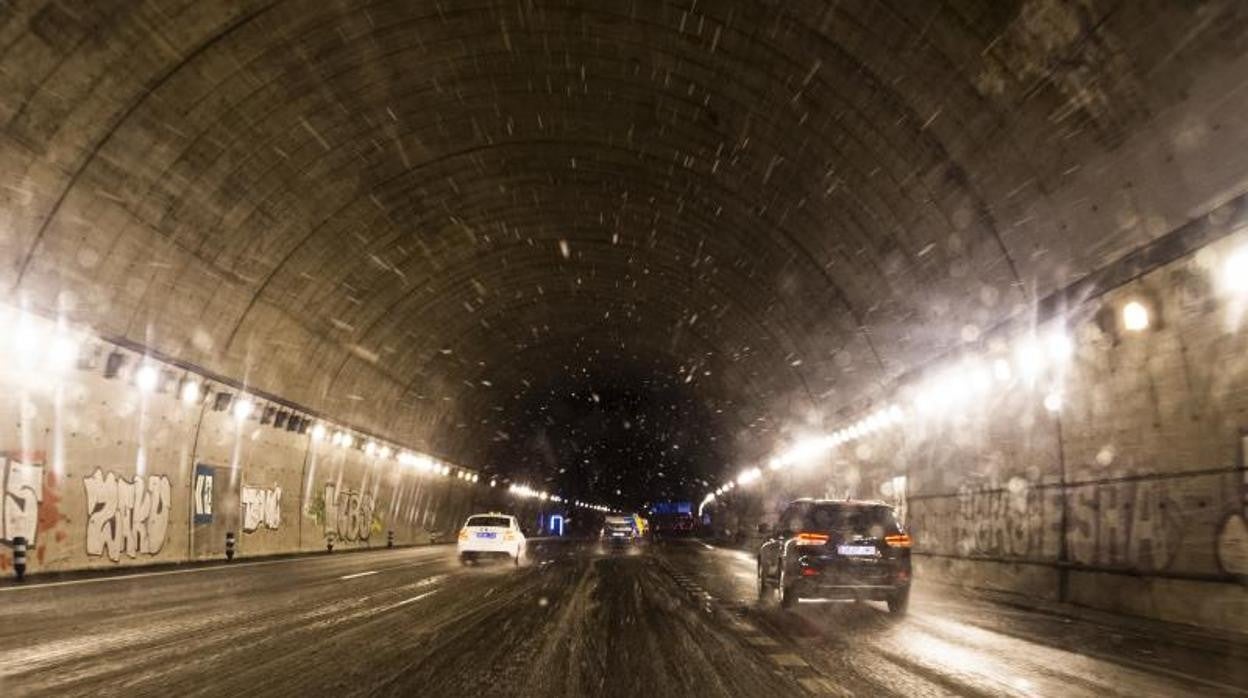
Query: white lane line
414, 599
708, 547
162, 573
822, 686
358, 574
761, 641
786, 659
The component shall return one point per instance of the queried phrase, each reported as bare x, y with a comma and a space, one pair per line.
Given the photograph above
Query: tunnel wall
1131, 498
97, 473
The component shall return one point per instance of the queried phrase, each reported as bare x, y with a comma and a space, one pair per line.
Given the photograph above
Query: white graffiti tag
262, 507
348, 514
126, 516
23, 490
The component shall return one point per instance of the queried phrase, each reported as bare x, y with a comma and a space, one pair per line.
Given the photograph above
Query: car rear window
859, 519
498, 521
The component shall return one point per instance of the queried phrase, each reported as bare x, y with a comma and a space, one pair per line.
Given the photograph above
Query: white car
491, 535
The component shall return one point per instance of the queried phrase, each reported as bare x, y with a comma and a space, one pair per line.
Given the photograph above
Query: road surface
679, 619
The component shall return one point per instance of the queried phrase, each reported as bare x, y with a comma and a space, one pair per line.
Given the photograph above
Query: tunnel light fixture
64, 352
385, 452
446, 470
749, 475
370, 449
1030, 360
318, 432
1060, 346
243, 408
1135, 317
146, 378
1053, 401
1001, 370
190, 392
1235, 272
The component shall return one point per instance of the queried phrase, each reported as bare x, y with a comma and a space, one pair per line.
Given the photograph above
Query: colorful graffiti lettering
262, 507
126, 516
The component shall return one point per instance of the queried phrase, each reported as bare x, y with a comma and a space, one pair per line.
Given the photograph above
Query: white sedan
491, 535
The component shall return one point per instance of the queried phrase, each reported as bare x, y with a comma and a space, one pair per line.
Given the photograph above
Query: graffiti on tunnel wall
262, 507
347, 514
1137, 524
19, 509
126, 516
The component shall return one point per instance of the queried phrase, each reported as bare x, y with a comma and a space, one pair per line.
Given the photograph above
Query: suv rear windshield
871, 520
498, 521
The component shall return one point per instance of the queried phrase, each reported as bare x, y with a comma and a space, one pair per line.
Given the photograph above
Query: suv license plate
855, 549
486, 534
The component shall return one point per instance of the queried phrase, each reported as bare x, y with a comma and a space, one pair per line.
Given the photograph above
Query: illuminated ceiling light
318, 432
190, 392
446, 470
1135, 317
1030, 360
895, 415
475, 477
64, 352
1060, 346
146, 378
384, 452
1053, 401
370, 448
749, 475
1001, 370
243, 408
493, 483
26, 340
340, 438
1235, 272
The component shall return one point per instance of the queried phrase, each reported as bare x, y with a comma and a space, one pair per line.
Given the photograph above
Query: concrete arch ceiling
332, 198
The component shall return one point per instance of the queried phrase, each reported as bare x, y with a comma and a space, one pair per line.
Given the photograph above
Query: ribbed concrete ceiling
427, 216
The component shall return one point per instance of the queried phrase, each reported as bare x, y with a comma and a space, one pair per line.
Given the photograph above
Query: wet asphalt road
676, 620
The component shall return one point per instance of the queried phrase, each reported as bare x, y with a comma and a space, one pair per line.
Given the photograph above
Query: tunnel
299, 289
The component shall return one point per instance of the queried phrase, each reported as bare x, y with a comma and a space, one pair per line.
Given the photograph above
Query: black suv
832, 549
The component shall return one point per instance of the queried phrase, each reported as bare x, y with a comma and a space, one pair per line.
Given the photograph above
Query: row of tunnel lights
527, 492
40, 347
63, 352
955, 386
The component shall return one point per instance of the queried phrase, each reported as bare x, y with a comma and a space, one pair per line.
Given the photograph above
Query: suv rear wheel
762, 582
786, 596
899, 602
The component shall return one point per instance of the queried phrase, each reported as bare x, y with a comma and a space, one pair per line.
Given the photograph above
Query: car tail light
509, 536
812, 538
810, 571
898, 541
463, 534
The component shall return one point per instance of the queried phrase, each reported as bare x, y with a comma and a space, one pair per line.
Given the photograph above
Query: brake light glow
463, 534
805, 538
810, 571
898, 541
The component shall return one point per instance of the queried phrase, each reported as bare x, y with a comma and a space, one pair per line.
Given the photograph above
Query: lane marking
414, 599
161, 573
820, 685
787, 659
708, 547
358, 574
761, 641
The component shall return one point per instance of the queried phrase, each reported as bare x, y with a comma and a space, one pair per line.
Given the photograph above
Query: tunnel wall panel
96, 473
1133, 497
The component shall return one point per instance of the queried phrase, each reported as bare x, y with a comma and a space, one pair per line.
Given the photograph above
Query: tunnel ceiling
424, 216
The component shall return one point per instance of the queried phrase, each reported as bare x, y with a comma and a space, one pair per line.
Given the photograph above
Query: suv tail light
900, 540
806, 538
463, 534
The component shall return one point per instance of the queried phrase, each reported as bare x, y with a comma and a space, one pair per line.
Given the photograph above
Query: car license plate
486, 534
855, 549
